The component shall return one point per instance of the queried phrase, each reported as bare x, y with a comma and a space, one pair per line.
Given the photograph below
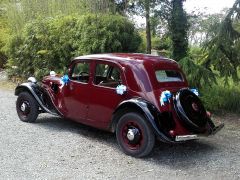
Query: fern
197, 75
223, 48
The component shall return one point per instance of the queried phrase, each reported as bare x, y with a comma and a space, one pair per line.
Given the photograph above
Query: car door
104, 99
76, 93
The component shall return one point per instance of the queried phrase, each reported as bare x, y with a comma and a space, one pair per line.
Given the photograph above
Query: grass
222, 98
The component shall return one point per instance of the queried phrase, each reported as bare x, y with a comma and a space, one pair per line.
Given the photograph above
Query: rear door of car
104, 98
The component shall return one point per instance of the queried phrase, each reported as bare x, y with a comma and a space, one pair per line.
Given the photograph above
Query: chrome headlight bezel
32, 80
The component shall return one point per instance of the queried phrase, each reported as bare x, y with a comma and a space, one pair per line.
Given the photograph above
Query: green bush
197, 75
49, 44
214, 92
4, 36
143, 45
161, 43
220, 97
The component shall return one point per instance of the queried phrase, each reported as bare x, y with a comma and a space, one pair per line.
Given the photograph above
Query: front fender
150, 112
35, 91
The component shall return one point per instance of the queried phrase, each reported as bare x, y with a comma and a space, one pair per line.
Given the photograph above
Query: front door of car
77, 91
104, 99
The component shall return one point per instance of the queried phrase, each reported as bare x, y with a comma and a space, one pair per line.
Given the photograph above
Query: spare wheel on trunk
190, 110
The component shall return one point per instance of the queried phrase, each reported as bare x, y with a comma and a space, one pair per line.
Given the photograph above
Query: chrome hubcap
133, 135
23, 107
130, 134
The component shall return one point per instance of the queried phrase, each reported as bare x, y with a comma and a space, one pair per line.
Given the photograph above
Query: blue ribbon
65, 79
165, 96
121, 89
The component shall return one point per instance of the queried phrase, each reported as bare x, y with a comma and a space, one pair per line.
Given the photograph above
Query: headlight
32, 80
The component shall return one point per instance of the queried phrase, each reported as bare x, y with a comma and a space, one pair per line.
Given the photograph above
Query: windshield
168, 76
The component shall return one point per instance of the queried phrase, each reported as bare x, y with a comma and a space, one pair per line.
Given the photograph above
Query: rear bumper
186, 137
215, 129
211, 131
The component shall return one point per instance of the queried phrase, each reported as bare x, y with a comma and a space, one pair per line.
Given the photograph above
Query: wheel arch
122, 109
143, 107
28, 87
22, 88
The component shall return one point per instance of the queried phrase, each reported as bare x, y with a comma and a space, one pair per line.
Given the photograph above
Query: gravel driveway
54, 148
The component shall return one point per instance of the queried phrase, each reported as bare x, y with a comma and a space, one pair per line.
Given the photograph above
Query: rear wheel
27, 107
134, 135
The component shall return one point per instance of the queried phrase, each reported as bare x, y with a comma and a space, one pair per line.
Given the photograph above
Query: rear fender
145, 108
34, 90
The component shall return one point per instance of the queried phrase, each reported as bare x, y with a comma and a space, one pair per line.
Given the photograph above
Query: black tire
144, 138
27, 107
191, 111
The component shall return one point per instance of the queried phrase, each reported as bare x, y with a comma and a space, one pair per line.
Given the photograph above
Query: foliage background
49, 44
37, 36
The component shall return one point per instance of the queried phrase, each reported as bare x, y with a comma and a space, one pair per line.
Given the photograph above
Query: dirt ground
55, 148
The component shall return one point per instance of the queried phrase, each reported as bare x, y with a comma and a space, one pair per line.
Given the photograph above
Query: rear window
168, 76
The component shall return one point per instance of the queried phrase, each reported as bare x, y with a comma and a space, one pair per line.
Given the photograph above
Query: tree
121, 6
178, 27
142, 8
203, 26
223, 45
20, 12
146, 4
147, 9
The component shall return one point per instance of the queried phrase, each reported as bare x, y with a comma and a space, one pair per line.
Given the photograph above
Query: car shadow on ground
59, 124
179, 156
182, 156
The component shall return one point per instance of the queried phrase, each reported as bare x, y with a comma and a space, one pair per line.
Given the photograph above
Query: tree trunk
179, 30
148, 28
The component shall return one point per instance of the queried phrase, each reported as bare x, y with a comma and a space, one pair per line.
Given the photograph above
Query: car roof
126, 58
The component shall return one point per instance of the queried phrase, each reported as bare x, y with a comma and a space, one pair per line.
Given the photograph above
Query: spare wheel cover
190, 110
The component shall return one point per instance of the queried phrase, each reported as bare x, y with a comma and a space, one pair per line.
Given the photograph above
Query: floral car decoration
141, 98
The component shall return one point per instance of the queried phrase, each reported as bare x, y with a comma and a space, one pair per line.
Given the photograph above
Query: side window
107, 75
101, 70
81, 72
115, 75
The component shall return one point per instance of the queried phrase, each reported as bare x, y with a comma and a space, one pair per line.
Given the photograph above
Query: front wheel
27, 107
134, 135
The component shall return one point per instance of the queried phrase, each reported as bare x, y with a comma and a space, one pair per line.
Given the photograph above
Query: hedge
49, 44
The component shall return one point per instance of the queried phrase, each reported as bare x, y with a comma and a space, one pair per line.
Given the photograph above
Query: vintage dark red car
139, 97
